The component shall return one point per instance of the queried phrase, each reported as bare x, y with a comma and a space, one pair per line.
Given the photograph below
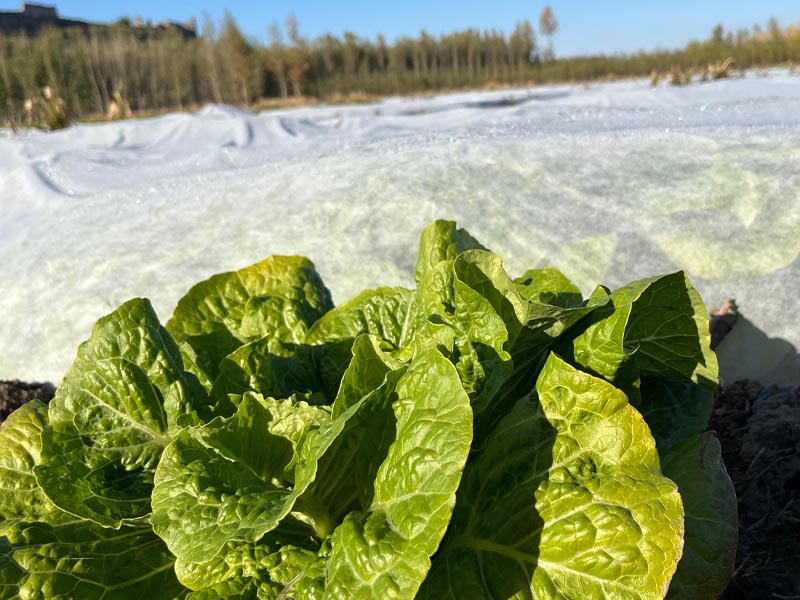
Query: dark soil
14, 394
759, 430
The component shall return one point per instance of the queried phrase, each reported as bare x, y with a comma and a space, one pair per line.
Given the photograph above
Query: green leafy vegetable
115, 411
654, 326
278, 298
442, 241
82, 560
549, 286
574, 468
710, 542
46, 553
384, 551
392, 314
476, 436
21, 498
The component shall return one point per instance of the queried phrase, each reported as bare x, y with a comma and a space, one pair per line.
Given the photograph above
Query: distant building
33, 18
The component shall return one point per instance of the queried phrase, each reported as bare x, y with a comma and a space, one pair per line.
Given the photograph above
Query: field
608, 182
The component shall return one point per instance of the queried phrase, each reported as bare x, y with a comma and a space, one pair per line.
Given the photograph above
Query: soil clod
14, 394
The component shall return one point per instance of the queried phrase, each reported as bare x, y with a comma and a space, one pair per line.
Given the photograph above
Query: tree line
91, 74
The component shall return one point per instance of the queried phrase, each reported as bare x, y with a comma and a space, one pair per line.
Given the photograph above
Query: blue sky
587, 26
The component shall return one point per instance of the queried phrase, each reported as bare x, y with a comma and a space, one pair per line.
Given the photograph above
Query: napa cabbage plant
477, 436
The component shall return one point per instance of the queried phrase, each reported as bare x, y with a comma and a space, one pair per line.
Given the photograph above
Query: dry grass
720, 70
679, 76
655, 78
298, 101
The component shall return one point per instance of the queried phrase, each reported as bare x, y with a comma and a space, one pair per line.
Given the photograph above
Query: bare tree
275, 58
9, 108
297, 56
381, 53
352, 55
235, 53
210, 37
548, 26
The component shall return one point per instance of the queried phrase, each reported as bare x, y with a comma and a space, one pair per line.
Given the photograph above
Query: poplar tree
297, 56
548, 26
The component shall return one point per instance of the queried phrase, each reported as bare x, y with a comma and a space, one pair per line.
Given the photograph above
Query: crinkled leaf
58, 556
206, 495
248, 368
391, 314
227, 591
207, 351
366, 373
499, 339
279, 298
566, 500
385, 552
82, 560
383, 453
650, 338
249, 439
10, 572
262, 367
192, 364
112, 416
250, 570
344, 473
293, 418
548, 286
483, 272
658, 324
467, 327
133, 334
711, 518
21, 498
299, 573
545, 325
221, 482
442, 241
600, 347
